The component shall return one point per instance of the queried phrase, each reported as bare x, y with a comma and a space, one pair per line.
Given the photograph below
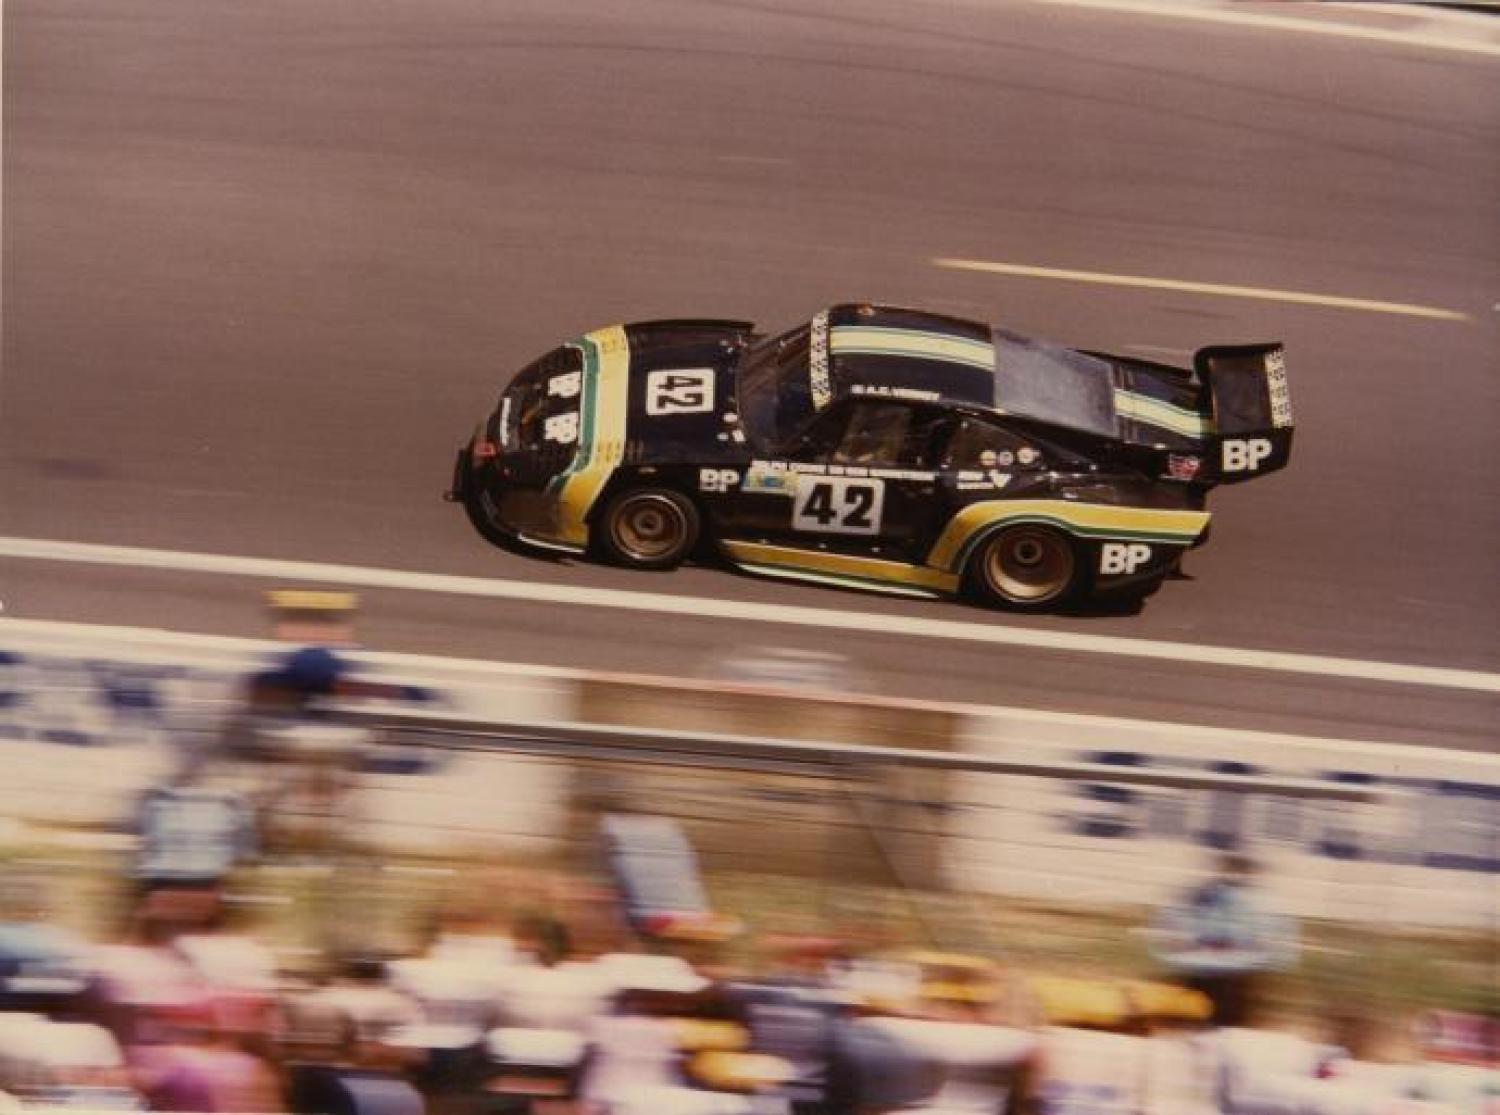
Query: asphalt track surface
265, 265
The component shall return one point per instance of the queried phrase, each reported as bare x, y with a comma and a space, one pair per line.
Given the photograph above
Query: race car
874, 447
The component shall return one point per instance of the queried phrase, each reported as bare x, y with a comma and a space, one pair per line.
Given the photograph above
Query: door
863, 480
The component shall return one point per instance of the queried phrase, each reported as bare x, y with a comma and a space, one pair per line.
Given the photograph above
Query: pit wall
90, 716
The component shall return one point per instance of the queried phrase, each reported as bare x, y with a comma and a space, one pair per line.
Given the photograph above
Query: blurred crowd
578, 1000
187, 1014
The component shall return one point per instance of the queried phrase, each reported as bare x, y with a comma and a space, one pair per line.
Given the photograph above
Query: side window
820, 437
887, 435
977, 444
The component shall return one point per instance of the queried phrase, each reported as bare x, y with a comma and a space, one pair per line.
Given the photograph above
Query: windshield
773, 389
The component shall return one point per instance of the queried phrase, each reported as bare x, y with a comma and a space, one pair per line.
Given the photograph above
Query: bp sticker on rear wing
1252, 408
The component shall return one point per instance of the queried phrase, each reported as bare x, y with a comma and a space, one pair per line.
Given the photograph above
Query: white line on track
1457, 39
991, 634
1268, 294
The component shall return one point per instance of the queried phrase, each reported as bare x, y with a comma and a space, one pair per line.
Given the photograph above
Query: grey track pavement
264, 266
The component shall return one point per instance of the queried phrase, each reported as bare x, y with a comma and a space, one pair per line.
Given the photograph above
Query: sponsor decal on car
717, 479
1122, 558
565, 386
766, 478
838, 505
679, 391
817, 367
885, 391
1281, 397
1244, 454
989, 481
561, 428
1183, 466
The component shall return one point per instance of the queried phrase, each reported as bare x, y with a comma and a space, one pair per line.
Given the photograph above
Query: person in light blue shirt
1220, 938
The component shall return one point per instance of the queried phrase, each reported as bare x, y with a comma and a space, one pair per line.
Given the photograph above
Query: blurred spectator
633, 1048
42, 968
1266, 1071
978, 1067
286, 693
302, 763
557, 993
146, 993
191, 837
870, 1070
347, 1045
63, 1064
1220, 939
457, 985
332, 1070
240, 974
206, 1068
372, 1010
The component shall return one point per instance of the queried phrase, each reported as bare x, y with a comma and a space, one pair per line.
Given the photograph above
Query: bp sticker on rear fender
1117, 559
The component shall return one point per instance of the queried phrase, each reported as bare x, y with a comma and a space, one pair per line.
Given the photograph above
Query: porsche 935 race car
874, 447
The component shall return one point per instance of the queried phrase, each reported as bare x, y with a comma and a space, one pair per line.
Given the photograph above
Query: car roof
887, 349
916, 354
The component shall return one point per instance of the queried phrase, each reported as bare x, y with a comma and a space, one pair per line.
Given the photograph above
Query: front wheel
1026, 568
648, 528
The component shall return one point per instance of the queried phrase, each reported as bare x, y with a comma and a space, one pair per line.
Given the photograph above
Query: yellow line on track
1267, 294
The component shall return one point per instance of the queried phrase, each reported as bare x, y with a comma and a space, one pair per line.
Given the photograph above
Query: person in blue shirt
1220, 939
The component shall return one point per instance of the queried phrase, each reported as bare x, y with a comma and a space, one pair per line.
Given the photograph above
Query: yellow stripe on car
601, 438
844, 566
1092, 520
870, 340
1155, 412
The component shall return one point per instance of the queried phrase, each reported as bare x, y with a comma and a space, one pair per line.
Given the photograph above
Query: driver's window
819, 437
983, 445
886, 435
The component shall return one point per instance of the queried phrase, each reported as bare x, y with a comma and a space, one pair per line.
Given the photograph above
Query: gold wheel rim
648, 528
1029, 565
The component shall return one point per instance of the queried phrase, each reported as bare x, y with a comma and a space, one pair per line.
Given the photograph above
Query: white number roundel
562, 428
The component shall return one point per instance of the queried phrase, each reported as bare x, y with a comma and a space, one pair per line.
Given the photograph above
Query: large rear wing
1252, 411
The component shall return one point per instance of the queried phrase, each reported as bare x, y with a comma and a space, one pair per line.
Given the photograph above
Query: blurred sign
656, 870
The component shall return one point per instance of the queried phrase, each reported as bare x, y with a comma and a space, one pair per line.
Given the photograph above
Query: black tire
1027, 567
647, 528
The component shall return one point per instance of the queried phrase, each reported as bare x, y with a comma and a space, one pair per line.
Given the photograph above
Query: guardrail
628, 744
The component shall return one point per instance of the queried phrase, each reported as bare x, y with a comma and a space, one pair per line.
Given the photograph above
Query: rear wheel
1027, 568
648, 528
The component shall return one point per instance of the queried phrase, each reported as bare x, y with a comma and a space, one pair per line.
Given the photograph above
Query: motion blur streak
367, 577
1302, 298
1241, 18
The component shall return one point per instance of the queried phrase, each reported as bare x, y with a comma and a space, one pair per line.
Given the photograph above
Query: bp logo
1244, 454
1116, 558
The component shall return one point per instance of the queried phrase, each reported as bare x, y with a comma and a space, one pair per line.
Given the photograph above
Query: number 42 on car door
838, 505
